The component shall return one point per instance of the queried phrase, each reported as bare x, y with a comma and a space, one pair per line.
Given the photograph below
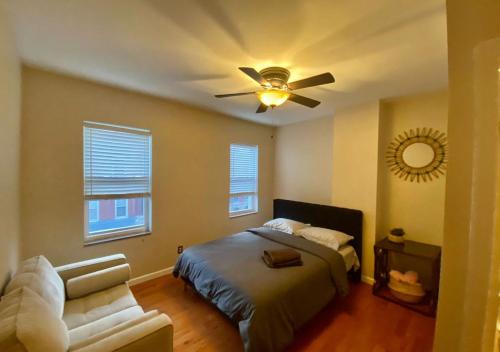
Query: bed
269, 305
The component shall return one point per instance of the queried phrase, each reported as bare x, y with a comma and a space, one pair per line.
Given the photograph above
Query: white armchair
81, 307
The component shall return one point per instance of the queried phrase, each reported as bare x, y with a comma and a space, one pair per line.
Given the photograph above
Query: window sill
242, 214
91, 242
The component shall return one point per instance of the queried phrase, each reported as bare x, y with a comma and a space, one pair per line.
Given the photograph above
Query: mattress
350, 257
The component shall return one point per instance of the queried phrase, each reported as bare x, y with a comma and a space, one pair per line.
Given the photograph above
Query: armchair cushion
38, 274
96, 327
69, 271
27, 323
150, 332
103, 333
97, 281
80, 311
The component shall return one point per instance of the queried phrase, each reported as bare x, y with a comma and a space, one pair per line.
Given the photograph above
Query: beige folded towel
281, 258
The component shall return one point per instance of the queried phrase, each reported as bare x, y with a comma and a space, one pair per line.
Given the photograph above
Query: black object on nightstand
419, 250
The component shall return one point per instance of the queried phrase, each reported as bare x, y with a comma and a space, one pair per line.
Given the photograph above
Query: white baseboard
140, 279
367, 279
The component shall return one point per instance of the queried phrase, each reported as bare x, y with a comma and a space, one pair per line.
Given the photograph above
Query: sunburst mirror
418, 154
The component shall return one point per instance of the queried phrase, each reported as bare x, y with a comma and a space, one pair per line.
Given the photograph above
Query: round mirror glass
418, 155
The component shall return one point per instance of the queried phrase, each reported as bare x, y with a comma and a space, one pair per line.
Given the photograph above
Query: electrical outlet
180, 249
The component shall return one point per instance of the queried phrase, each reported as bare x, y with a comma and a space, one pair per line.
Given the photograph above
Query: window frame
255, 195
124, 232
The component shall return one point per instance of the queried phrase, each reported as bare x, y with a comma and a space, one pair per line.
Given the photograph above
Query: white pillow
40, 276
326, 237
27, 323
285, 225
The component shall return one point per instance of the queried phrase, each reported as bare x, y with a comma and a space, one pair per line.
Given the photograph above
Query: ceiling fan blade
255, 76
232, 95
299, 99
323, 78
261, 108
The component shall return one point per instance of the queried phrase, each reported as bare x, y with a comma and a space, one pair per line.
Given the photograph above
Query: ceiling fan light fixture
276, 88
273, 97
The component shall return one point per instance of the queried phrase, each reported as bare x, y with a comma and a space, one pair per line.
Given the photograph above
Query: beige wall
416, 207
303, 167
350, 150
334, 161
190, 170
10, 122
468, 251
355, 162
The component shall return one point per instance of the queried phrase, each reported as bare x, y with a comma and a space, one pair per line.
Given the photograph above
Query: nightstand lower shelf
423, 307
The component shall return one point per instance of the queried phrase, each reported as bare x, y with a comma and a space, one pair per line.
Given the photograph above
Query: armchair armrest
97, 281
150, 332
72, 270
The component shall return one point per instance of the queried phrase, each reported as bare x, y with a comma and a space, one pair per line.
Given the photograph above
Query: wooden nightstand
426, 252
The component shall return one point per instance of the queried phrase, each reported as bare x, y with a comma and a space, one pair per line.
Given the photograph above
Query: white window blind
243, 179
117, 162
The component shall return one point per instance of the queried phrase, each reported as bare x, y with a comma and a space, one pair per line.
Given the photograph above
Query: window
93, 211
121, 208
117, 181
243, 182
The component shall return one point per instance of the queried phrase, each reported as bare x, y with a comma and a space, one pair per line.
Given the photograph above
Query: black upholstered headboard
349, 221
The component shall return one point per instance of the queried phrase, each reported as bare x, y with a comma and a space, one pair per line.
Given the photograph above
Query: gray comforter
268, 305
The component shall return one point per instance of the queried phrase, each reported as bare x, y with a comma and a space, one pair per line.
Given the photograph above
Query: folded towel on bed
281, 258
270, 264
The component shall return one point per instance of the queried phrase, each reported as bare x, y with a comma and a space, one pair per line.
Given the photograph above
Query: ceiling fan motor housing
277, 76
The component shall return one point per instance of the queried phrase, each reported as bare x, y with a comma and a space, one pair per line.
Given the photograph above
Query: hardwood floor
359, 322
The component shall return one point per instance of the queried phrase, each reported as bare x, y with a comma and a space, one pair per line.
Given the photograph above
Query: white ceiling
189, 50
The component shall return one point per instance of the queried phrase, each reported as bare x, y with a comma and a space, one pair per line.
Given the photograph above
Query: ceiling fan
276, 89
